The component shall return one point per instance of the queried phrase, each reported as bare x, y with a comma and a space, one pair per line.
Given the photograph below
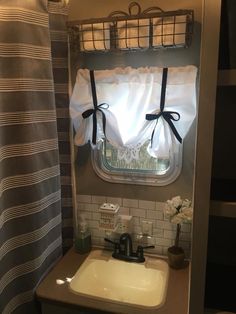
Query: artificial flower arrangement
178, 211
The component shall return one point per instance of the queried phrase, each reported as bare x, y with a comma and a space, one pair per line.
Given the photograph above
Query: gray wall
87, 181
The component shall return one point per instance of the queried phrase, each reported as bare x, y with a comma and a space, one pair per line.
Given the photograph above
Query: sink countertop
50, 291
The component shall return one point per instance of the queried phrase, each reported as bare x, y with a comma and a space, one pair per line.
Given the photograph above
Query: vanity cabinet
48, 308
55, 295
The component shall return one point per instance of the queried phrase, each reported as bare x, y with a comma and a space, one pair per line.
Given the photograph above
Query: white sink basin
105, 278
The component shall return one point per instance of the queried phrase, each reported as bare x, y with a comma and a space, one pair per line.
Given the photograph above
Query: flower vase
176, 257
175, 253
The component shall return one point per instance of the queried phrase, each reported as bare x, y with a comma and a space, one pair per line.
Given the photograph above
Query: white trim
205, 129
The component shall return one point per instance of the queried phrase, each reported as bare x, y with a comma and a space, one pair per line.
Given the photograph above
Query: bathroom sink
105, 278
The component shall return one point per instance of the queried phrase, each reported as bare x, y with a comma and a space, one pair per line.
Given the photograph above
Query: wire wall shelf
152, 28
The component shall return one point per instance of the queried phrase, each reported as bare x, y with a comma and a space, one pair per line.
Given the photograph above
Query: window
135, 120
146, 170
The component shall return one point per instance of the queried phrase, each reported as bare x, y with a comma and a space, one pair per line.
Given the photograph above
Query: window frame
142, 177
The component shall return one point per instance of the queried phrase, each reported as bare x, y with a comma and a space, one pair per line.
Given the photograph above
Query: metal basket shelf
152, 28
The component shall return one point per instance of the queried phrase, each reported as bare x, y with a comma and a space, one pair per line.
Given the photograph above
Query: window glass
145, 170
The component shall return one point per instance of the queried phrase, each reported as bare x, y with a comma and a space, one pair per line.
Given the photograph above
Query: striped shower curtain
31, 161
58, 13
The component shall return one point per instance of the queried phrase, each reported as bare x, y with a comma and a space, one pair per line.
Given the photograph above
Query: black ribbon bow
94, 111
169, 116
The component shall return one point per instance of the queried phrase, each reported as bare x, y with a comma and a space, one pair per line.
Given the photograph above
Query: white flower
177, 201
186, 203
176, 219
169, 209
178, 210
187, 213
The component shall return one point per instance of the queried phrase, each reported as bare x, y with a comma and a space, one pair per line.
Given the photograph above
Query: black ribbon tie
94, 111
169, 116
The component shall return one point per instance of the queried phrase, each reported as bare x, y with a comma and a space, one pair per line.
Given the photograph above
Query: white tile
96, 241
151, 214
146, 204
164, 250
186, 236
186, 227
166, 217
86, 214
97, 233
159, 224
163, 230
84, 198
169, 226
160, 206
127, 202
154, 214
163, 242
157, 250
91, 207
138, 212
158, 233
136, 221
93, 224
147, 220
81, 206
99, 199
137, 229
96, 216
124, 210
114, 200
184, 244
168, 234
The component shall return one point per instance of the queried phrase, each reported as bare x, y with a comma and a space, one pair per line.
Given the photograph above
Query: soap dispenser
83, 236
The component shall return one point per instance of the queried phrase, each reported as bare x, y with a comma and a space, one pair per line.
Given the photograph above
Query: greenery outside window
146, 170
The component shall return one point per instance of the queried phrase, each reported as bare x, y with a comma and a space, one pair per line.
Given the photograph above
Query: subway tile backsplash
140, 210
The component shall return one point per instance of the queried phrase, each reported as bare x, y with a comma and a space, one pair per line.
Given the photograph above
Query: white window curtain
125, 96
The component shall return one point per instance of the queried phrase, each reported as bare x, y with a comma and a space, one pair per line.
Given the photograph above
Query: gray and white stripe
30, 237
16, 212
29, 159
59, 38
26, 84
23, 15
13, 50
61, 88
58, 35
19, 299
28, 149
27, 117
58, 8
29, 266
24, 180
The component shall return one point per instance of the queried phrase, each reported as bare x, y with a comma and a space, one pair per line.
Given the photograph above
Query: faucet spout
124, 249
126, 240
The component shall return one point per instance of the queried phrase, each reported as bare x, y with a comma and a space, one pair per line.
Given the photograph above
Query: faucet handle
116, 244
110, 241
140, 250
